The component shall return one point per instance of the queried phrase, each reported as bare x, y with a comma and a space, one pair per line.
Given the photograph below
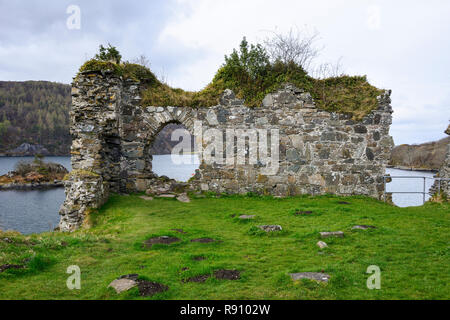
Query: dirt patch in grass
160, 240
344, 202
200, 279
148, 288
227, 274
10, 266
203, 240
198, 258
303, 213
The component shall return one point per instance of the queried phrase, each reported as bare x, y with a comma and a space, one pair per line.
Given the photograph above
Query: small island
34, 174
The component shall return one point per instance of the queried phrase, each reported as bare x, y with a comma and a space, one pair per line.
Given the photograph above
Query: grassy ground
410, 245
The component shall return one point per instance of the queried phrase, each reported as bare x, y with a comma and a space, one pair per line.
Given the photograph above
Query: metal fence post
424, 188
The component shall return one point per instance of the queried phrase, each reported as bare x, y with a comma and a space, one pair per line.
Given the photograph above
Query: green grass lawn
410, 245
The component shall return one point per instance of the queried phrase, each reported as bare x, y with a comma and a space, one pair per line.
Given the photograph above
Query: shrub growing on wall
251, 74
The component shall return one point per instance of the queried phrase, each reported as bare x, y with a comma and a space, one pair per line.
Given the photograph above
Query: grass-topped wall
251, 75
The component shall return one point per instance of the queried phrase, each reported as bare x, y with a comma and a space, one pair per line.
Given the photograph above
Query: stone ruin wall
444, 173
320, 152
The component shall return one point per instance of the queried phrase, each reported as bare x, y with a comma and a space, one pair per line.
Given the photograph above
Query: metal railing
424, 192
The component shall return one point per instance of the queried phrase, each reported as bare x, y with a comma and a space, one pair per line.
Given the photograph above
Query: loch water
36, 211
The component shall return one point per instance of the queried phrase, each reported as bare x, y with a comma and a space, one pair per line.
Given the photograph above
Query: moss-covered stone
80, 173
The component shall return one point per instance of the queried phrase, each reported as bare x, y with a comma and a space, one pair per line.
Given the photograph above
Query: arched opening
173, 153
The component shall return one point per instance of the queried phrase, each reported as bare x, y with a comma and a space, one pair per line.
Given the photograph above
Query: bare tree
298, 47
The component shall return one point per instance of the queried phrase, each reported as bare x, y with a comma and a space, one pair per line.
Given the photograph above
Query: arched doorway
173, 153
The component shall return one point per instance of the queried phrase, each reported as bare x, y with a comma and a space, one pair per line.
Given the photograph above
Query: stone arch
152, 138
137, 163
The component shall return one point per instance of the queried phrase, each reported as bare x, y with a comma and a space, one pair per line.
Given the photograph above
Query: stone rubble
337, 234
247, 217
322, 245
183, 198
444, 172
271, 228
363, 227
316, 276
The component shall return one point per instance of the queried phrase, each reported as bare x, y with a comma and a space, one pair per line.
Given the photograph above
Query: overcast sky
399, 45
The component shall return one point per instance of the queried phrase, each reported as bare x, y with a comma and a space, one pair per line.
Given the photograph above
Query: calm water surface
409, 185
33, 211
37, 211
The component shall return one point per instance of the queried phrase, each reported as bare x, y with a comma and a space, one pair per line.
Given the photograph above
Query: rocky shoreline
32, 175
32, 186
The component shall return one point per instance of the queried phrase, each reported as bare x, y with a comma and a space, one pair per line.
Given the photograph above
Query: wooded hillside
35, 112
429, 155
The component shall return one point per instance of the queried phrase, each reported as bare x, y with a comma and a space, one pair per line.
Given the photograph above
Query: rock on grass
271, 228
322, 245
337, 234
316, 276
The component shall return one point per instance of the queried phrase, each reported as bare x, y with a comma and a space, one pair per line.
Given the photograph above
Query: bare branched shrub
294, 47
328, 70
163, 77
24, 167
142, 60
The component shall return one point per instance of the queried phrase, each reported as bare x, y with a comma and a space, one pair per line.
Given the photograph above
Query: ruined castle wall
444, 173
319, 152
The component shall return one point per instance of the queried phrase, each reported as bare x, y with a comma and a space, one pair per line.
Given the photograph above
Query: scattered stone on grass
203, 240
179, 231
201, 278
322, 245
247, 217
7, 240
122, 285
168, 196
160, 240
148, 288
146, 198
10, 266
316, 276
183, 198
343, 202
304, 213
227, 274
363, 227
338, 234
271, 228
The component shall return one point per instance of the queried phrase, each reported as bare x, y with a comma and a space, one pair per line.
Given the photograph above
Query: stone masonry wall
320, 152
444, 173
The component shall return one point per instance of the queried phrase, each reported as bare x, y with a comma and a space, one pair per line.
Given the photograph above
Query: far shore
412, 168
